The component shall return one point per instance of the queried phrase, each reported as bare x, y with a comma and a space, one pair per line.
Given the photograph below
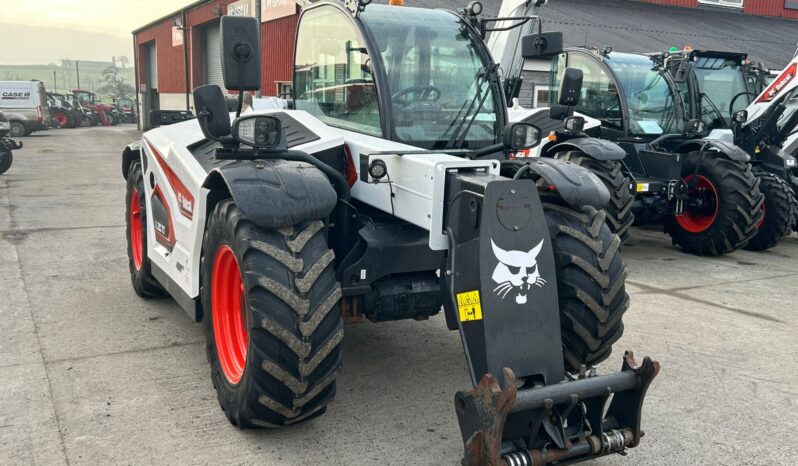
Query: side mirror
740, 117
214, 118
259, 131
574, 124
570, 87
520, 136
542, 45
695, 127
241, 52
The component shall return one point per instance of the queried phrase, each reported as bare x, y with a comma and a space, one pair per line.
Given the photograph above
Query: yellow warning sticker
642, 187
469, 306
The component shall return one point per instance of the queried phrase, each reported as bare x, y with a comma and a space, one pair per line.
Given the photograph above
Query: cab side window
599, 97
332, 73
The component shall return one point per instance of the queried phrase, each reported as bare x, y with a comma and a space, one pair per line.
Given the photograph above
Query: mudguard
729, 150
276, 193
598, 149
131, 153
578, 186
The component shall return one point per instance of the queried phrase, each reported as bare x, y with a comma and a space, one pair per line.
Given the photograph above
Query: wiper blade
459, 135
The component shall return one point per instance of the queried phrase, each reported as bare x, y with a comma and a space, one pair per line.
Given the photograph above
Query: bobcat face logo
516, 272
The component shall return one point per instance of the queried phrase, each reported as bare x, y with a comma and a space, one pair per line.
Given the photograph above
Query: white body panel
785, 83
417, 183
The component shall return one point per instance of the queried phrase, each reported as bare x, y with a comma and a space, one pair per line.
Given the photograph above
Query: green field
65, 74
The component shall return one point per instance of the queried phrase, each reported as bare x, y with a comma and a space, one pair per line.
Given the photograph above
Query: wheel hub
702, 207
230, 330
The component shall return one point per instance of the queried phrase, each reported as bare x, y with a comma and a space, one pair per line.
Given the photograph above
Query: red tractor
107, 113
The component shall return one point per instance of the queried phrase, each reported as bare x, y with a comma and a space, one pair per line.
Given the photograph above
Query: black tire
6, 158
619, 209
794, 208
739, 208
591, 279
141, 276
18, 129
778, 212
290, 297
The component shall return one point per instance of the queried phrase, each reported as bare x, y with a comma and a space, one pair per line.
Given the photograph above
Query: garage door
152, 67
212, 56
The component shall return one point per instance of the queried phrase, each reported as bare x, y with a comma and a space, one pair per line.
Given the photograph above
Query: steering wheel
734, 99
428, 93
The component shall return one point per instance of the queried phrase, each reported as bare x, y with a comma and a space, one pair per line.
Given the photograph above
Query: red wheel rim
136, 245
694, 222
61, 119
230, 331
762, 220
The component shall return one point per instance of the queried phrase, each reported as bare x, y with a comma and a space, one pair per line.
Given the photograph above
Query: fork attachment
563, 423
501, 282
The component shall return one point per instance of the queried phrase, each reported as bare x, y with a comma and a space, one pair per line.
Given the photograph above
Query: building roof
635, 27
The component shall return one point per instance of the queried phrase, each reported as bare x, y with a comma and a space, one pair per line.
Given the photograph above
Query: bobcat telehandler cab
716, 90
702, 187
385, 192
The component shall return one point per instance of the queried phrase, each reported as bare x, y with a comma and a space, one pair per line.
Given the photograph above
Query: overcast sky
44, 31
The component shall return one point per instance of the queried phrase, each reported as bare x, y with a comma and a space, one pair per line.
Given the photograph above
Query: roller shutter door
212, 56
152, 67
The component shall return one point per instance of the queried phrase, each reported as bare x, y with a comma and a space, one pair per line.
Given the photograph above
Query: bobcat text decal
780, 83
516, 272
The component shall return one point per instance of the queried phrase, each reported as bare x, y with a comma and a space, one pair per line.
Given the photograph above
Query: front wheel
591, 281
5, 161
723, 209
272, 324
777, 210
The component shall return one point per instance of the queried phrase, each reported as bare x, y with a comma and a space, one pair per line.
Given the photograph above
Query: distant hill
65, 74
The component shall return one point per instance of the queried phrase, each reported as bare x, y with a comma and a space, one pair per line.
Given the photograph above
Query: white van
25, 105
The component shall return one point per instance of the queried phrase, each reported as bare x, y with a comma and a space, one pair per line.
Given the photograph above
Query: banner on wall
177, 36
274, 9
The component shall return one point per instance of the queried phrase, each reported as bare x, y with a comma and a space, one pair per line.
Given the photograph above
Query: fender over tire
619, 208
290, 302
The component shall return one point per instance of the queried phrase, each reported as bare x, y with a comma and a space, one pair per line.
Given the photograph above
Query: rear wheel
619, 208
272, 324
141, 277
777, 212
591, 279
5, 161
18, 129
724, 209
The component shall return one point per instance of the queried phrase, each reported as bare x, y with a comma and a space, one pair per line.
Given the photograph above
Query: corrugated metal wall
769, 8
277, 57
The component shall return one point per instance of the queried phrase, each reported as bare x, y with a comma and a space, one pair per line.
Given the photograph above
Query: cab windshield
439, 94
650, 99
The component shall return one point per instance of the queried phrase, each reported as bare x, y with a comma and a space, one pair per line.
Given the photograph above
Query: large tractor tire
141, 277
6, 158
619, 208
62, 119
591, 279
272, 323
778, 210
730, 210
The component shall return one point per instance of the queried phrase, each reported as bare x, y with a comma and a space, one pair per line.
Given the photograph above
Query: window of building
731, 3
332, 76
284, 89
541, 96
